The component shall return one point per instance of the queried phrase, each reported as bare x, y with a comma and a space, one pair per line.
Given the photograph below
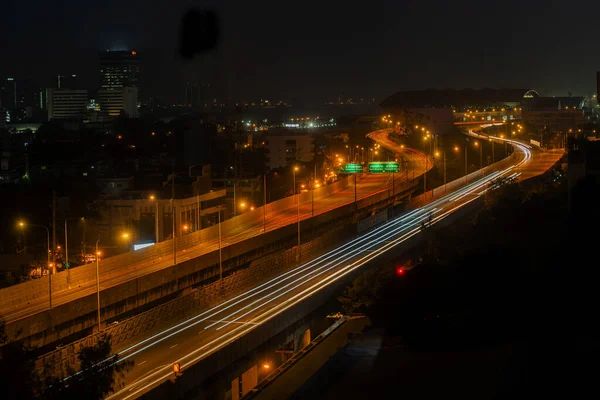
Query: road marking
231, 322
143, 362
173, 346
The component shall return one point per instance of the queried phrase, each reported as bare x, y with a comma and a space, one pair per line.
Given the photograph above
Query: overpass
134, 282
213, 337
212, 320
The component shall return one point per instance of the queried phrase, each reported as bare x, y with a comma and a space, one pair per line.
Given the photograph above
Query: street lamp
297, 206
22, 225
126, 237
480, 157
98, 283
153, 199
437, 153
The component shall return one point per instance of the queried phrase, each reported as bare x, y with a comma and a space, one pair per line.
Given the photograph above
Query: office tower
119, 69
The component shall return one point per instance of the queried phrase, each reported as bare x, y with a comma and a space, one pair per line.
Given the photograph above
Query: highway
417, 161
541, 161
13, 308
207, 332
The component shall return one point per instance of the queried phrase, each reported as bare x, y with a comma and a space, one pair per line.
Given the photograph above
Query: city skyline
317, 51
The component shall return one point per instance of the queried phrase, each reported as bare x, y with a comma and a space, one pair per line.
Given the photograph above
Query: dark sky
316, 50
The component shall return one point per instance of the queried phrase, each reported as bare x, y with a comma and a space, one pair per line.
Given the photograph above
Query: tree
18, 378
362, 291
101, 374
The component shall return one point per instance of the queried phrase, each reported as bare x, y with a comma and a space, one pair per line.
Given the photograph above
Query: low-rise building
66, 103
283, 150
114, 101
554, 114
138, 211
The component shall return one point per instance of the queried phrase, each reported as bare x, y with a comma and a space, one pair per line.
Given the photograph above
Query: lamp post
265, 203
220, 254
22, 226
480, 157
426, 166
437, 153
98, 283
466, 166
297, 206
153, 198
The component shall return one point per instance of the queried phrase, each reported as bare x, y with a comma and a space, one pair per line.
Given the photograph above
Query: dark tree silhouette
18, 378
101, 374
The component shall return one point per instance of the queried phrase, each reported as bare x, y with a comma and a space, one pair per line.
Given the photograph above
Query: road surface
207, 332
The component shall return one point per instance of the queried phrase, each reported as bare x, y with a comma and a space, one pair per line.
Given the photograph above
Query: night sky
315, 50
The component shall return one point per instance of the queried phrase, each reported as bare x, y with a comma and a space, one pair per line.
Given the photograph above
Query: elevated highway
26, 307
210, 330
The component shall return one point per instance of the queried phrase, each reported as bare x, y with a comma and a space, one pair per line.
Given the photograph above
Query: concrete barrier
14, 297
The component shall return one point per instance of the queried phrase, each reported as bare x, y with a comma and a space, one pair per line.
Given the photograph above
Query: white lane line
231, 322
175, 345
142, 363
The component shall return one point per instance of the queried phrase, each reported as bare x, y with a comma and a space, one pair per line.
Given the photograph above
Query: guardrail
15, 297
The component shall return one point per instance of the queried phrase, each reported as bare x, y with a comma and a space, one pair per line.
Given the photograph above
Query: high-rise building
114, 101
66, 103
119, 69
120, 77
67, 82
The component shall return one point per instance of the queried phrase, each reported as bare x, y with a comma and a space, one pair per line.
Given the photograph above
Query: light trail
331, 267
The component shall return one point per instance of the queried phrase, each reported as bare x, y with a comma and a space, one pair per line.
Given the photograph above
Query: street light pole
312, 197
466, 165
425, 176
22, 225
481, 159
265, 203
444, 171
98, 283
174, 215
220, 253
297, 206
174, 234
156, 223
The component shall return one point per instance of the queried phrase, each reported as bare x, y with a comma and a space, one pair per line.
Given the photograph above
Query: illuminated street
210, 330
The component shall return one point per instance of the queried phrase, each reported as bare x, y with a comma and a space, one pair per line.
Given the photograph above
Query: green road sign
352, 168
380, 167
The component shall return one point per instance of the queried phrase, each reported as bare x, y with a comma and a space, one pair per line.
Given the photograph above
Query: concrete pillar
306, 338
249, 380
301, 339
